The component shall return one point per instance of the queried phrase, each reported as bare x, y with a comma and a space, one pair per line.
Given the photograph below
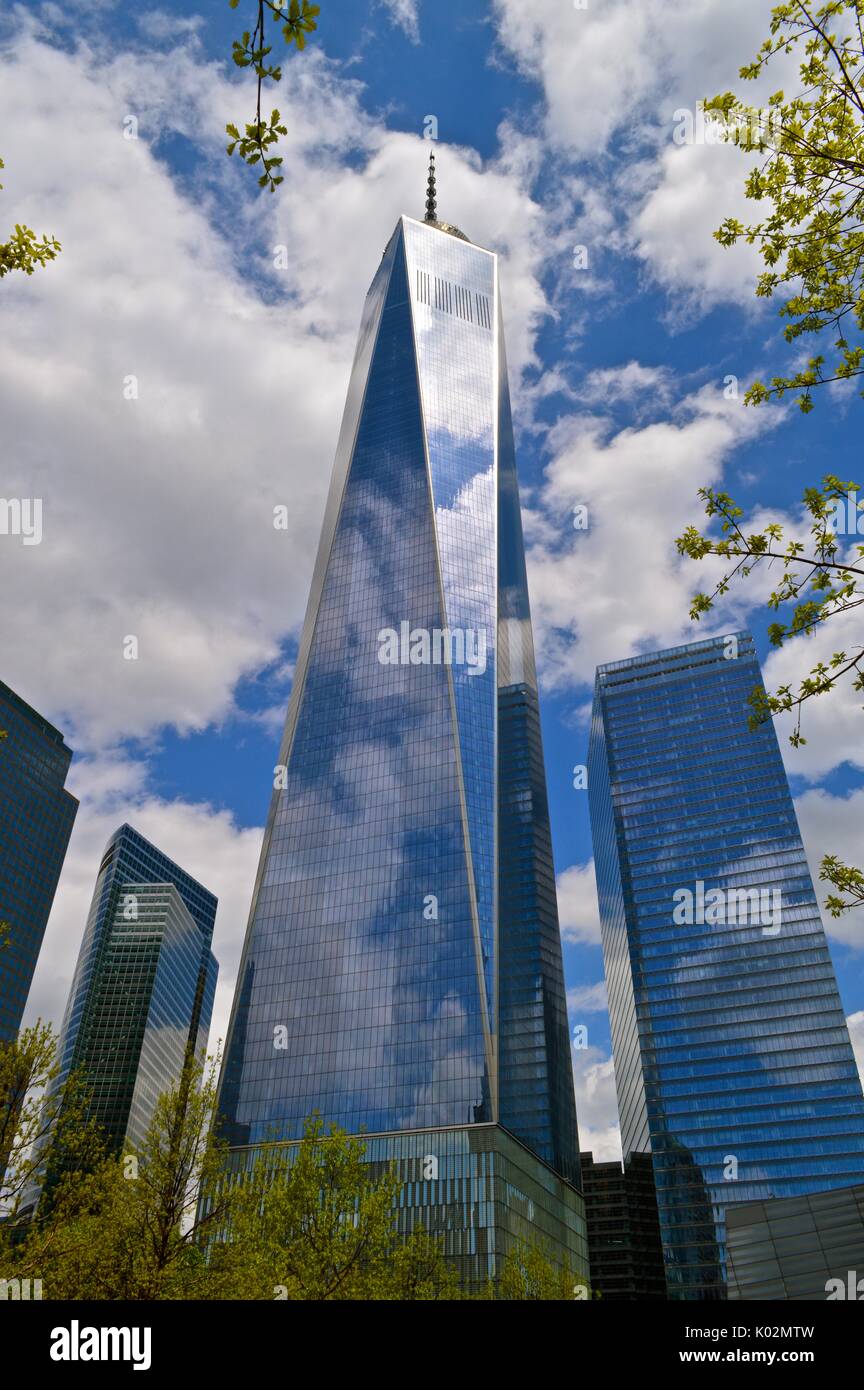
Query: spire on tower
431, 198
431, 218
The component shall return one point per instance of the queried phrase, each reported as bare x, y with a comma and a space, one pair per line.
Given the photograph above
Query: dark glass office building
624, 1246
36, 819
733, 1063
402, 968
142, 995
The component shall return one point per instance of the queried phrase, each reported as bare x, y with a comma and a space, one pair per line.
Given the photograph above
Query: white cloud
587, 999
157, 511
832, 723
406, 14
629, 383
695, 188
855, 1024
628, 61
160, 24
834, 825
599, 52
634, 66
596, 1104
578, 912
201, 839
640, 487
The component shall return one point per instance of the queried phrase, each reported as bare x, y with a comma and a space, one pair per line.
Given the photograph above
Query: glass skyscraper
733, 1064
402, 968
36, 819
143, 990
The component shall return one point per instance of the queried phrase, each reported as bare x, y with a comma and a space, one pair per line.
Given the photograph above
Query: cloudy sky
171, 378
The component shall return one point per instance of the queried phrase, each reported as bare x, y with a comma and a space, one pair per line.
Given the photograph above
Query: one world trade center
402, 971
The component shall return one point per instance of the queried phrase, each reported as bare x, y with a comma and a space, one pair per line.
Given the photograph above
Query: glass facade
144, 985
733, 1063
402, 967
36, 819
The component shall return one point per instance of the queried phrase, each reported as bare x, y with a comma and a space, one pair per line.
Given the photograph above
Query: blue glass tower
402, 967
36, 819
733, 1063
143, 990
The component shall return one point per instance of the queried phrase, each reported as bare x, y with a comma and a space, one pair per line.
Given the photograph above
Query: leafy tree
811, 237
322, 1227
819, 583
43, 1126
47, 1146
419, 1273
24, 251
137, 1231
297, 18
529, 1275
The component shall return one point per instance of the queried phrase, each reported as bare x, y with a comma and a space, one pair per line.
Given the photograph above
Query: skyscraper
142, 994
623, 1231
402, 967
733, 1064
36, 819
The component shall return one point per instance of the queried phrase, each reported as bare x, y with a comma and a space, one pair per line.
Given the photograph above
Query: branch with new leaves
25, 251
820, 583
296, 18
811, 238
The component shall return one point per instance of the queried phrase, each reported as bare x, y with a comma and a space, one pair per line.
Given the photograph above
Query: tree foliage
321, 1225
129, 1226
296, 19
44, 1127
25, 251
811, 238
530, 1275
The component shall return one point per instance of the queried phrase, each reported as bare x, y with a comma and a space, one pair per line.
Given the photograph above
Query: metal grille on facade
453, 299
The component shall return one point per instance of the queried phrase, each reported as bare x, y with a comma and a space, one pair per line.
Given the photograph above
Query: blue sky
554, 132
